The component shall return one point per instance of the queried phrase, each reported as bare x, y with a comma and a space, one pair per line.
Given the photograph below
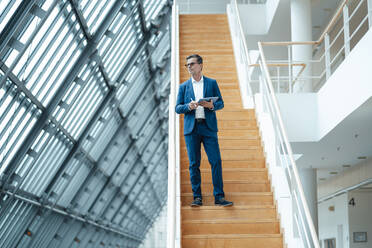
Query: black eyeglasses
191, 64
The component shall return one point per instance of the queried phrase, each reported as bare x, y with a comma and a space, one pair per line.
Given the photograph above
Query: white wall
347, 178
347, 218
360, 217
257, 18
253, 18
202, 7
300, 114
332, 221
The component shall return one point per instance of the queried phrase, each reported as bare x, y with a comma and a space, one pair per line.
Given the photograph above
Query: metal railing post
327, 56
278, 78
289, 69
346, 30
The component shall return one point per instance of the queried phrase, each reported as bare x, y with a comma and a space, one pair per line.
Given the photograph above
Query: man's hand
207, 104
193, 105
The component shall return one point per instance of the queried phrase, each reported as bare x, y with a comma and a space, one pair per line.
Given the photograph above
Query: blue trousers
202, 134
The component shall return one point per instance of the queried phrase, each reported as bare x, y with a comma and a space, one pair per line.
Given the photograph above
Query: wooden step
252, 144
238, 134
230, 226
216, 212
192, 36
229, 164
229, 174
235, 116
230, 186
231, 154
213, 23
246, 198
226, 80
224, 86
233, 92
233, 144
203, 43
232, 106
210, 50
233, 241
237, 124
217, 45
212, 20
223, 27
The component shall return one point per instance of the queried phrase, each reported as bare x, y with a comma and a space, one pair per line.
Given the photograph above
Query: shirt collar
194, 81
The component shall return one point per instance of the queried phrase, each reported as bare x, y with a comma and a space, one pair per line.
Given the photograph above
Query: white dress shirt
198, 87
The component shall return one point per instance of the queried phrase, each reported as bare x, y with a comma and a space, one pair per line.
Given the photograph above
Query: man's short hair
197, 56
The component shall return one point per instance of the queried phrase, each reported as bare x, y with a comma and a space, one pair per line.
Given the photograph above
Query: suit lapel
191, 89
205, 85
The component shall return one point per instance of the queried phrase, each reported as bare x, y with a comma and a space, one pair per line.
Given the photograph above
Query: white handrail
173, 226
298, 184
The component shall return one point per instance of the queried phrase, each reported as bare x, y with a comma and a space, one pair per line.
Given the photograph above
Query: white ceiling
346, 145
322, 12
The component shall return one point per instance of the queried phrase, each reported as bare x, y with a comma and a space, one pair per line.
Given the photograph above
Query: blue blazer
186, 93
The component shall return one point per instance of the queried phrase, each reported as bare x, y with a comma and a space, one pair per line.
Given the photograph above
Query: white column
301, 30
309, 184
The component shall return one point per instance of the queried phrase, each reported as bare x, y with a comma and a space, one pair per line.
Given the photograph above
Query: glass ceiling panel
51, 54
71, 180
17, 117
152, 9
106, 174
102, 138
7, 9
94, 11
81, 100
117, 53
50, 148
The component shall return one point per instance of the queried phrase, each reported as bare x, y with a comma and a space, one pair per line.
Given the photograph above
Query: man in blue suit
200, 126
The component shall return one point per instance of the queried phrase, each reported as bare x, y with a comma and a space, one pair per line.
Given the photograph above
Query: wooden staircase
253, 220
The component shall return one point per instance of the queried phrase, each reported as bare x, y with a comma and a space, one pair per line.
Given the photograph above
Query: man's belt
200, 120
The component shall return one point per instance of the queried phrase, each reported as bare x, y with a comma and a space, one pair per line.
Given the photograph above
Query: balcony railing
350, 23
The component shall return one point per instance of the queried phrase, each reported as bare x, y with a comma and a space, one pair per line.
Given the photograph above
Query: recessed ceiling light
333, 172
346, 165
322, 179
362, 157
356, 135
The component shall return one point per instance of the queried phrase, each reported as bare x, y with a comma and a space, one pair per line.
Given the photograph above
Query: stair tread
238, 207
227, 181
234, 194
231, 236
230, 220
232, 169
